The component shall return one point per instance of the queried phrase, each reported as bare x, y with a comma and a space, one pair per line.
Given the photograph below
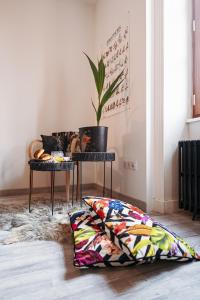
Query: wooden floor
44, 270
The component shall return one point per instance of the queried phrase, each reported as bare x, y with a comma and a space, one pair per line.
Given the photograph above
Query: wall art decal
116, 58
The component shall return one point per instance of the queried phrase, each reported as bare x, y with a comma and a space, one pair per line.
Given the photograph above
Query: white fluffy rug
37, 225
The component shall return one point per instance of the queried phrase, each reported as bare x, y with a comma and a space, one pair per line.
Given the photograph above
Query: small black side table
94, 157
52, 167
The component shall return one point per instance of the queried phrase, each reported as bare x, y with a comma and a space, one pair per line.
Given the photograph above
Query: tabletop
50, 165
93, 156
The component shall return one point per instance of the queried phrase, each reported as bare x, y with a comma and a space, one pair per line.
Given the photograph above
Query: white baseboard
166, 207
139, 203
36, 190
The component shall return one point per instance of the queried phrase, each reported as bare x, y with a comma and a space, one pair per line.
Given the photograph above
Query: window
196, 58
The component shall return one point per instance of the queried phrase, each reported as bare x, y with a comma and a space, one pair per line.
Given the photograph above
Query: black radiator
189, 176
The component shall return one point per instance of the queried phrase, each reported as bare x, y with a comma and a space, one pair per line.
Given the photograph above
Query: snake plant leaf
112, 85
94, 106
105, 98
114, 89
101, 75
111, 89
95, 73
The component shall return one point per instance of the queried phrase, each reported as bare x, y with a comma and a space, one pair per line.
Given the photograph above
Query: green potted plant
94, 138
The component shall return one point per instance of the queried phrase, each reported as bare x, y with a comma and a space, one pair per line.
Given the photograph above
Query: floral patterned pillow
92, 247
137, 234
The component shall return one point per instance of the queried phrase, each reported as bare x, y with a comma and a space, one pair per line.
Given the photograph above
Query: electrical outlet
133, 165
130, 165
126, 164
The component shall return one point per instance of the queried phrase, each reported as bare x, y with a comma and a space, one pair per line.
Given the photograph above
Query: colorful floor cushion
92, 247
137, 235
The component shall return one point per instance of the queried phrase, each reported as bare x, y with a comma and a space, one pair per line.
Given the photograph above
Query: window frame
196, 58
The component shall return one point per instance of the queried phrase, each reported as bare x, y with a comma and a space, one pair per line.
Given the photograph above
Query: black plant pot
93, 138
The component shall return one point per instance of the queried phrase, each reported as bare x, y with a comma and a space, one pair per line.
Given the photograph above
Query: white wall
177, 88
127, 130
169, 91
194, 128
45, 85
168, 114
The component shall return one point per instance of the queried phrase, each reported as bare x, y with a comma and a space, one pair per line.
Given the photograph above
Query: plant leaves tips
99, 77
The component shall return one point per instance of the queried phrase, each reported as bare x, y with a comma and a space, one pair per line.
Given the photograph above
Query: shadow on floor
119, 279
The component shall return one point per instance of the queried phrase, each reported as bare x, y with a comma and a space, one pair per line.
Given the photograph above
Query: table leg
30, 189
104, 177
111, 179
52, 189
73, 187
77, 181
81, 186
67, 184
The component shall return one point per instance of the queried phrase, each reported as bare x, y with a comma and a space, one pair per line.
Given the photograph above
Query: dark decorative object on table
70, 141
64, 139
94, 138
54, 143
73, 142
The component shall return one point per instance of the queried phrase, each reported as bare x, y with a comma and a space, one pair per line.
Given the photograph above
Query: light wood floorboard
43, 270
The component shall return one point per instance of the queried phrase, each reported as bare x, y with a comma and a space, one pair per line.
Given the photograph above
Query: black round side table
45, 166
94, 157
